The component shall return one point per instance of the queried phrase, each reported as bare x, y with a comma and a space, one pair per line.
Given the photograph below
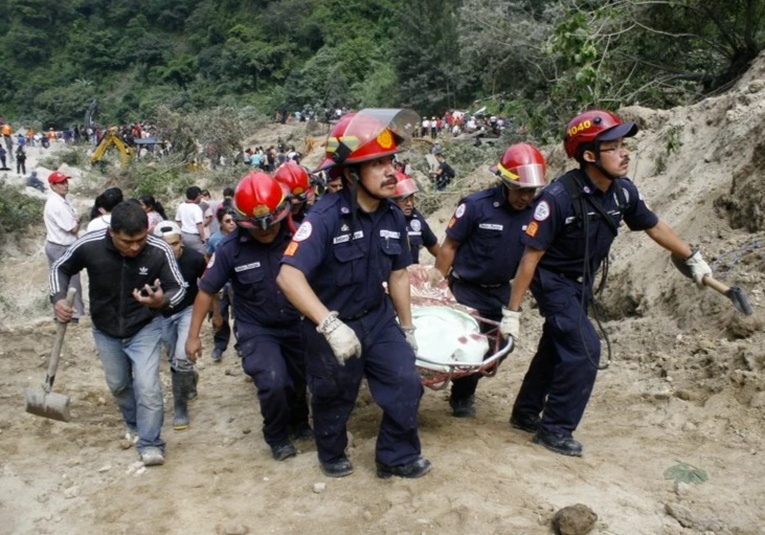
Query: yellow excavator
111, 137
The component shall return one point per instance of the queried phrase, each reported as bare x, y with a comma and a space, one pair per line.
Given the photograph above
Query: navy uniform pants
560, 378
276, 363
387, 361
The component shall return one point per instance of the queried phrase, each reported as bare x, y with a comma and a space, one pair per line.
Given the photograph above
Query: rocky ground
685, 387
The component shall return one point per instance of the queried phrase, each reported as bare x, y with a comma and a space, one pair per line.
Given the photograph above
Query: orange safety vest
7, 129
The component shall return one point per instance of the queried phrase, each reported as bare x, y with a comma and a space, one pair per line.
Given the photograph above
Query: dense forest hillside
535, 59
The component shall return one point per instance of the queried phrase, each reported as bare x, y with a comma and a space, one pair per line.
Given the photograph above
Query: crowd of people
318, 287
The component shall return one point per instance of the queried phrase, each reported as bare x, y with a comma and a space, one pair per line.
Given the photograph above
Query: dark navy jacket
489, 231
556, 230
346, 259
419, 234
252, 267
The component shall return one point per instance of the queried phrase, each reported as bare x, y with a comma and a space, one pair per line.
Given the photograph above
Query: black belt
457, 277
356, 316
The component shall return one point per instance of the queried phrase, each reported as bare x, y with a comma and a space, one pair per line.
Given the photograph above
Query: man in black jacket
132, 275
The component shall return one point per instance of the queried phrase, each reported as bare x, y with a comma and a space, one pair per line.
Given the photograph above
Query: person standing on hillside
443, 174
417, 228
192, 220
482, 248
176, 322
8, 138
574, 222
61, 228
267, 326
333, 272
21, 161
132, 275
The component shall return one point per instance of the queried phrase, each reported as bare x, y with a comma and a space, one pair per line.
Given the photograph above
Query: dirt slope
685, 385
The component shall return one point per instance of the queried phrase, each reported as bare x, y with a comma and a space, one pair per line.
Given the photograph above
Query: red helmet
521, 166
296, 178
259, 201
595, 125
369, 134
405, 186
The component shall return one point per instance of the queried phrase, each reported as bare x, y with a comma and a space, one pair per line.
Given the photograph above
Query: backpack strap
574, 186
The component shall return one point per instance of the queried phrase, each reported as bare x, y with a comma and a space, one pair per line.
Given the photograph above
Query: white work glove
698, 268
434, 277
342, 339
410, 338
510, 324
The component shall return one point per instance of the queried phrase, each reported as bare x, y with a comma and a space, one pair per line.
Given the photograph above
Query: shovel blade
48, 405
740, 300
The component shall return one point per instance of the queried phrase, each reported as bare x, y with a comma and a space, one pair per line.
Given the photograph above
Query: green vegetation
17, 211
540, 60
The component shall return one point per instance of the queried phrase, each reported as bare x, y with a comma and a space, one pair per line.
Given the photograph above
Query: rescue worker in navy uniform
482, 248
267, 326
296, 179
564, 247
333, 272
417, 228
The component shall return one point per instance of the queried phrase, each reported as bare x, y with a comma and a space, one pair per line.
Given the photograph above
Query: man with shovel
132, 275
575, 221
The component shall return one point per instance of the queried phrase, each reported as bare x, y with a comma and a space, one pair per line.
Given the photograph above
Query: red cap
57, 176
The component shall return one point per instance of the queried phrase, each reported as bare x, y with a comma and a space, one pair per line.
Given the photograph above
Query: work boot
340, 468
525, 422
216, 355
565, 445
182, 384
282, 451
412, 470
463, 407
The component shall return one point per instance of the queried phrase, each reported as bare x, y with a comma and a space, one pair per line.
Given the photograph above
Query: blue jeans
131, 368
175, 331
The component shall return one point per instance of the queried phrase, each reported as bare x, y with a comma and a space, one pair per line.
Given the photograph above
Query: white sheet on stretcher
447, 335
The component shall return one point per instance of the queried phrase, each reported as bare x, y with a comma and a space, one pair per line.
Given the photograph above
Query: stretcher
449, 339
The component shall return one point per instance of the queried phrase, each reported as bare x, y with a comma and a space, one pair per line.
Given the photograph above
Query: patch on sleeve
452, 221
460, 211
542, 211
211, 262
532, 228
304, 232
291, 248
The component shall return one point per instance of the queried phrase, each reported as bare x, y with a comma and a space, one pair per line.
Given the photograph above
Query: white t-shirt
99, 223
188, 215
60, 217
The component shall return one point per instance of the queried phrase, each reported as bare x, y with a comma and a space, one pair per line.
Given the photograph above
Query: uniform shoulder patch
542, 211
303, 232
532, 229
291, 249
460, 211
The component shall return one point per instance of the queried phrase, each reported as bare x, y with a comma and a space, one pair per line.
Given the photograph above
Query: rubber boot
193, 388
182, 382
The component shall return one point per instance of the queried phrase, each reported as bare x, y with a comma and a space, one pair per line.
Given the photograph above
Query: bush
73, 156
17, 211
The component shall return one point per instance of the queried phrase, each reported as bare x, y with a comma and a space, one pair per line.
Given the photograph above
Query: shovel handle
715, 284
58, 343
